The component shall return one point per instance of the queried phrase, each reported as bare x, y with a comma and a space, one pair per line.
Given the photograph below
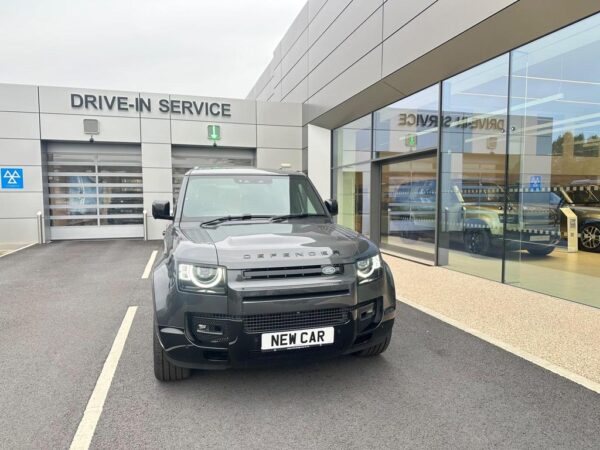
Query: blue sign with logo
535, 183
12, 177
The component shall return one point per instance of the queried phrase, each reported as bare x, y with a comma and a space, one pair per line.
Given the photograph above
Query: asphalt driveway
436, 386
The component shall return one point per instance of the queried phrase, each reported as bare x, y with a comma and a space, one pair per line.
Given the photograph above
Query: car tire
590, 237
376, 349
540, 250
478, 242
163, 369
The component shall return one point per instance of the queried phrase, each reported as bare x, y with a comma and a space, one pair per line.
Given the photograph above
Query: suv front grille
264, 323
290, 272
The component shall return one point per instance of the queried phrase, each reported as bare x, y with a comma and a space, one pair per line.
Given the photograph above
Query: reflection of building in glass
500, 181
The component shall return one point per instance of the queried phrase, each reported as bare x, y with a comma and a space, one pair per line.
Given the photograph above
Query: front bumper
242, 349
212, 332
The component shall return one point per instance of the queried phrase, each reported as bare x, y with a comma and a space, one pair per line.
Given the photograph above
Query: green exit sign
410, 140
214, 132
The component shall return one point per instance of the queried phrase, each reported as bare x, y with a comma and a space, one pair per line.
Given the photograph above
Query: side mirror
332, 206
161, 210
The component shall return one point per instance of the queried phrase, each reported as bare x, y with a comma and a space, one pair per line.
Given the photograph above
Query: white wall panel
19, 231
157, 179
269, 113
156, 155
299, 48
294, 31
188, 132
273, 158
363, 73
18, 97
324, 18
314, 6
156, 130
319, 159
19, 205
396, 13
70, 127
299, 94
279, 136
359, 43
295, 76
348, 21
447, 17
19, 125
20, 152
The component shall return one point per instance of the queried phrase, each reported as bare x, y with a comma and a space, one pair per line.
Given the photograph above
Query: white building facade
92, 161
460, 133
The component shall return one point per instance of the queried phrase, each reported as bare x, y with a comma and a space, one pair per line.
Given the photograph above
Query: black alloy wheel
477, 242
590, 237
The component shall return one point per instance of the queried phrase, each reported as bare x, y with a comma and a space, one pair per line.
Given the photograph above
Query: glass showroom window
408, 203
351, 182
554, 170
352, 191
408, 125
352, 142
405, 134
473, 158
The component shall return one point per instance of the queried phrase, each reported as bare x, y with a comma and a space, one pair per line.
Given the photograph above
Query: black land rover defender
255, 271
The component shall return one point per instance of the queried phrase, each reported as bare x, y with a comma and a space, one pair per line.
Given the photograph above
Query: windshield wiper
219, 220
294, 216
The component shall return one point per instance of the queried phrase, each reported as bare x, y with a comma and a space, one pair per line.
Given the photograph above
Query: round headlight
364, 264
366, 268
206, 277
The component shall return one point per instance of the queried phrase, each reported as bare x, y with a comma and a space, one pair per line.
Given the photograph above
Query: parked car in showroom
583, 198
474, 213
255, 271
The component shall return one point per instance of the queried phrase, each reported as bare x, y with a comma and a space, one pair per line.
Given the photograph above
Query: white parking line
93, 410
571, 376
148, 268
17, 249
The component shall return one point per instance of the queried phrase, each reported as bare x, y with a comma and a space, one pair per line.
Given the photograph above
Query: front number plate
300, 338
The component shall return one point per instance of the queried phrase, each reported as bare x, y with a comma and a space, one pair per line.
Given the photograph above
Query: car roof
239, 171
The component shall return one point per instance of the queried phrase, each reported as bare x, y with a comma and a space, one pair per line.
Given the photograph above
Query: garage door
186, 158
94, 191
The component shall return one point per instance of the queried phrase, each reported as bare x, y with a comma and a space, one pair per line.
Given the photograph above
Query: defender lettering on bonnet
294, 254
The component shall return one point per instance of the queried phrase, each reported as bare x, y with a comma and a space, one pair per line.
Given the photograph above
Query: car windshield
256, 195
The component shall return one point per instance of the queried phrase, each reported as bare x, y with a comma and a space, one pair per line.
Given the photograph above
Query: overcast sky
200, 47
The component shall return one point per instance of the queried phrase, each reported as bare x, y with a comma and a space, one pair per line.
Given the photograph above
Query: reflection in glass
554, 170
408, 202
408, 125
186, 158
352, 191
352, 142
473, 169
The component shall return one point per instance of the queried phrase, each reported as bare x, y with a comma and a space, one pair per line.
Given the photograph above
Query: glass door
408, 205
